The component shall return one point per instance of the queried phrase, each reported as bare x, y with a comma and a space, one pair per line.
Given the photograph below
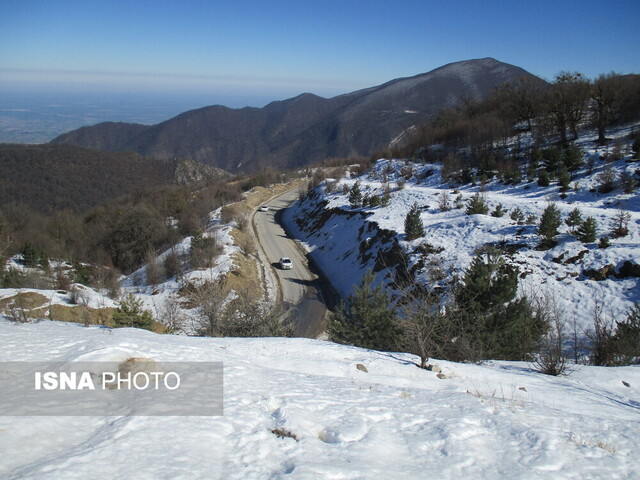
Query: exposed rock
625, 384
599, 274
434, 368
441, 376
629, 269
362, 368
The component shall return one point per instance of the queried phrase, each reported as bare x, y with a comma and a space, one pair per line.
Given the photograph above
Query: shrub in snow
498, 212
627, 182
627, 337
620, 224
564, 180
131, 314
413, 227
549, 224
367, 319
543, 179
355, 196
604, 242
517, 216
477, 205
607, 180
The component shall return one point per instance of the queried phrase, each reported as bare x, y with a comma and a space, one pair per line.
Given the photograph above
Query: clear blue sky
276, 49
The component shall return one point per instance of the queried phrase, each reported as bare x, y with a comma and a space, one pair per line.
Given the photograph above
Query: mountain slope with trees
307, 128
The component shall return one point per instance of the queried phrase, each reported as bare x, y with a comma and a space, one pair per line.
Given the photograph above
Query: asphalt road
300, 287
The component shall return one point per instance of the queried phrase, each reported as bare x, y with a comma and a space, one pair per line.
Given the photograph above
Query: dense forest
46, 178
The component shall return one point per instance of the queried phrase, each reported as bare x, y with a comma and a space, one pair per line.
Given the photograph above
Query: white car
264, 208
286, 263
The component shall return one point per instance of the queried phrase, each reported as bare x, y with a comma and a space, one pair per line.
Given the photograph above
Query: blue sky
255, 51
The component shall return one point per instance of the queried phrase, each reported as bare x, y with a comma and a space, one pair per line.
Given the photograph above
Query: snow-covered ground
558, 273
498, 420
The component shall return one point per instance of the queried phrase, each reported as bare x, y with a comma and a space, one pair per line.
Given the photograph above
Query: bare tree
171, 315
606, 94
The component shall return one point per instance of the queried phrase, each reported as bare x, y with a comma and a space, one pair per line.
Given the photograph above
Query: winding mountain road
300, 288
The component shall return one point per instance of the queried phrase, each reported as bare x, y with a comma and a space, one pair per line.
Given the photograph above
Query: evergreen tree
477, 205
626, 341
564, 180
488, 283
514, 331
29, 255
586, 232
574, 219
498, 212
543, 179
517, 215
131, 314
367, 319
413, 227
496, 325
549, 224
573, 157
355, 196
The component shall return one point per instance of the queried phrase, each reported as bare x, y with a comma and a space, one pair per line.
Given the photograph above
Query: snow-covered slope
498, 420
345, 242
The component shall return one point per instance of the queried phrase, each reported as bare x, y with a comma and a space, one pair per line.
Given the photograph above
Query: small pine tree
477, 205
131, 314
604, 242
543, 179
355, 196
413, 227
459, 202
586, 232
366, 319
564, 181
573, 157
627, 182
29, 255
626, 341
549, 224
636, 147
498, 212
574, 219
517, 215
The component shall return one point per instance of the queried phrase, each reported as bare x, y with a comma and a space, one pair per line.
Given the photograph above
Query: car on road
286, 263
264, 208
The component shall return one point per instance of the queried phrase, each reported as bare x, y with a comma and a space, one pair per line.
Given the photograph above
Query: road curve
299, 287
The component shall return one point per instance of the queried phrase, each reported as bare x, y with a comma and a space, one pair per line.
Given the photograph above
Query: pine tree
574, 219
413, 227
549, 224
586, 232
367, 319
543, 178
573, 157
355, 196
130, 313
517, 215
498, 212
488, 283
477, 205
564, 180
